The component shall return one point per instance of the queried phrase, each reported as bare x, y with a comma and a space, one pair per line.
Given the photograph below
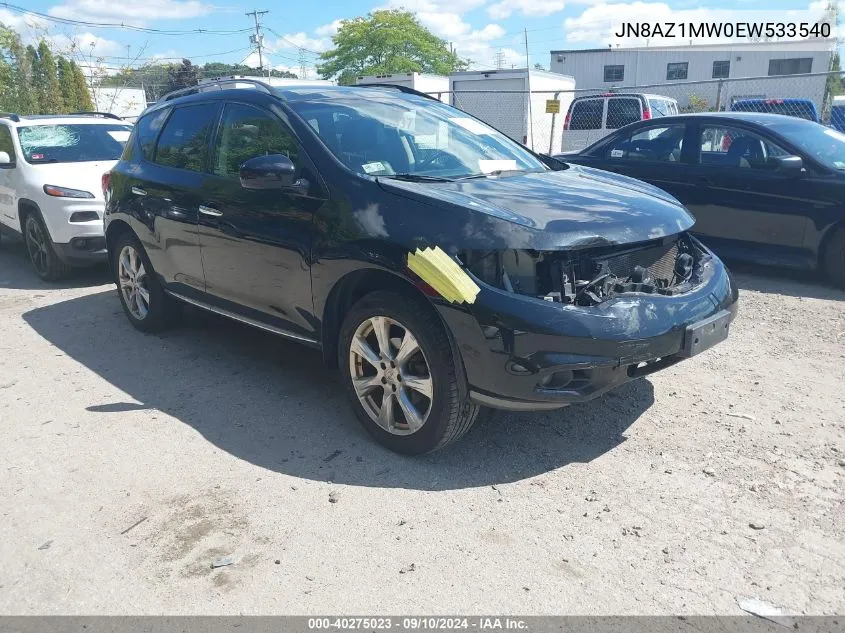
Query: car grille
659, 260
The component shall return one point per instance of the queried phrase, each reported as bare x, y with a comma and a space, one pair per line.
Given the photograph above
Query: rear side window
147, 130
183, 143
621, 112
587, 114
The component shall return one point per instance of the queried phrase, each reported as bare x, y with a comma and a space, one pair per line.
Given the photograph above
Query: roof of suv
20, 120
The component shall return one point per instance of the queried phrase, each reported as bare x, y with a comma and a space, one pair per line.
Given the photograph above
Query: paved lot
223, 441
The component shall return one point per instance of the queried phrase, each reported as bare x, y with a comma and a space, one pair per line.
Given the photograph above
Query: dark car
801, 108
440, 265
765, 188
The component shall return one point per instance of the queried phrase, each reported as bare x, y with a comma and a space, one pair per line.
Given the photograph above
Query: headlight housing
65, 192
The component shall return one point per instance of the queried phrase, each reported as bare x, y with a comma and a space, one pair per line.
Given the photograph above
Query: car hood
86, 175
577, 207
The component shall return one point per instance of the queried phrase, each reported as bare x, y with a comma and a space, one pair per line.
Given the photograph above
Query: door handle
210, 211
138, 191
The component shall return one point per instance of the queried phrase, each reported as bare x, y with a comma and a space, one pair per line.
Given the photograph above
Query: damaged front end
588, 277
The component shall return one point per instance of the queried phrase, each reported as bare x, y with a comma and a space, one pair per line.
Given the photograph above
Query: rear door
743, 207
256, 244
622, 111
8, 184
585, 123
166, 189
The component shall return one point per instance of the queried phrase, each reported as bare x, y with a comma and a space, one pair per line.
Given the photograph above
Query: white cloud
530, 8
600, 22
433, 6
85, 46
328, 30
136, 13
301, 40
24, 25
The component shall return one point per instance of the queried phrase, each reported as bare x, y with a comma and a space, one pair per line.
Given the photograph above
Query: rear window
621, 112
72, 143
587, 114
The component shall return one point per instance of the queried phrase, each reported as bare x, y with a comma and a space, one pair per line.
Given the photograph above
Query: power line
115, 25
293, 44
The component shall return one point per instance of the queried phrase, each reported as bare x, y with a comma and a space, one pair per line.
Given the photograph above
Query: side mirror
788, 164
274, 171
5, 159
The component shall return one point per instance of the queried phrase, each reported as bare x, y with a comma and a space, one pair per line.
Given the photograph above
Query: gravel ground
130, 463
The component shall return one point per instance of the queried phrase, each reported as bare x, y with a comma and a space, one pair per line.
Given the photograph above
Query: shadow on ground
16, 271
784, 281
272, 402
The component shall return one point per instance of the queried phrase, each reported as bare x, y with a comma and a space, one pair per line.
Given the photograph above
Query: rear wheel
834, 258
144, 301
39, 249
400, 376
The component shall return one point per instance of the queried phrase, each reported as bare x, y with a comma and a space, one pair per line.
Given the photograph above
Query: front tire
834, 258
40, 251
399, 373
144, 301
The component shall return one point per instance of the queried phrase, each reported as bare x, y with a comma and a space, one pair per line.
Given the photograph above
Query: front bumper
522, 353
83, 250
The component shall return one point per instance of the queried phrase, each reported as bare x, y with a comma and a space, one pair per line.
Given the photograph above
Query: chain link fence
544, 121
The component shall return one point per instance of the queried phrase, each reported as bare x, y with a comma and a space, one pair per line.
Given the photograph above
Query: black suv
440, 265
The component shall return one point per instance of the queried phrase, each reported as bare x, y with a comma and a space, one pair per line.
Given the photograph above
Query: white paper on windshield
839, 164
371, 168
617, 153
121, 136
839, 136
471, 125
488, 166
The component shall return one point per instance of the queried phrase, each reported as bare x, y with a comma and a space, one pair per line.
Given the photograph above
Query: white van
593, 117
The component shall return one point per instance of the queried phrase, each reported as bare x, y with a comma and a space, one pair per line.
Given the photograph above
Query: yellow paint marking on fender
441, 272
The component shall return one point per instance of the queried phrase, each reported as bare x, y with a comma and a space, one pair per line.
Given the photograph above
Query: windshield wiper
417, 178
497, 172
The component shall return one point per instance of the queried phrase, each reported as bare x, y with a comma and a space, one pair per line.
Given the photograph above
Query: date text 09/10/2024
417, 623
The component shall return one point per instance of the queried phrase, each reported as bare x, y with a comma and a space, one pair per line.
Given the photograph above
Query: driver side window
247, 132
737, 148
661, 143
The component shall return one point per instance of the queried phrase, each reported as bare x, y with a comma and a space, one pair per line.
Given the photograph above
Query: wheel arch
27, 207
355, 285
824, 243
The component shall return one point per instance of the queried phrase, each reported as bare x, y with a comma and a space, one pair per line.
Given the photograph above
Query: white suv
51, 170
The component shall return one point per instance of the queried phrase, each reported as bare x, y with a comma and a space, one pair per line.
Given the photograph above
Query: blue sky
480, 30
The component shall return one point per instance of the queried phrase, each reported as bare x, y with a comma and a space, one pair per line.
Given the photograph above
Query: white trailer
434, 85
514, 102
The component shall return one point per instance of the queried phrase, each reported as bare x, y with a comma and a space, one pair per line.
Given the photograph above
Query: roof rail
14, 116
404, 89
219, 83
105, 115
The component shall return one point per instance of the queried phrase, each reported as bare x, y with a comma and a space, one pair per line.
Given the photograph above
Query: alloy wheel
133, 282
36, 246
391, 375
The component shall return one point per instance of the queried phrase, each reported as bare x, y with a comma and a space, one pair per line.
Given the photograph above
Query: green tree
84, 102
67, 85
31, 61
24, 100
47, 81
386, 41
184, 75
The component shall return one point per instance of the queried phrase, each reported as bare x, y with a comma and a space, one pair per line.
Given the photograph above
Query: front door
744, 207
8, 184
256, 244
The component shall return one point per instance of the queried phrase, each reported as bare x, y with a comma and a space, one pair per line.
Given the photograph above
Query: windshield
414, 137
72, 143
822, 143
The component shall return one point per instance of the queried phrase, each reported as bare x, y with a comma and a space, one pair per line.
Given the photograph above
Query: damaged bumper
523, 353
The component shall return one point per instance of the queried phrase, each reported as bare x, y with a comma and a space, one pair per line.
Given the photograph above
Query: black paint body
287, 260
774, 218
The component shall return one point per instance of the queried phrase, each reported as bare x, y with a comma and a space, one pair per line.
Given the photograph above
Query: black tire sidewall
51, 274
155, 316
435, 347
834, 261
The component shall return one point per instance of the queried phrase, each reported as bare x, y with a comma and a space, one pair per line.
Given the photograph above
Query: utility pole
258, 39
